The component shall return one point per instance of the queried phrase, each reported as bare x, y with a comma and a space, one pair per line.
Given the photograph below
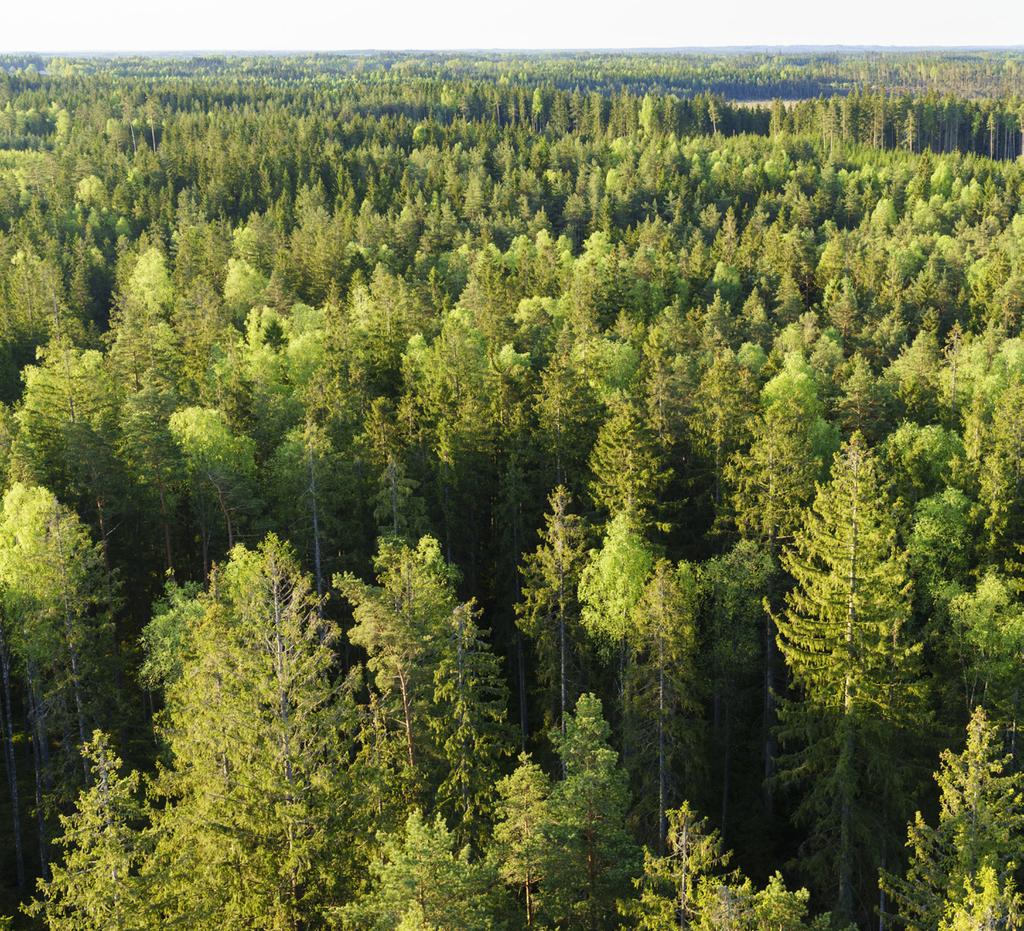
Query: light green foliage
166, 640
220, 465
53, 588
988, 639
613, 581
986, 903
674, 884
150, 284
96, 886
243, 286
422, 882
964, 866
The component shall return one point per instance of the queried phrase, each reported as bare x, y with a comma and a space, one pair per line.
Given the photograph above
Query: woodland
469, 491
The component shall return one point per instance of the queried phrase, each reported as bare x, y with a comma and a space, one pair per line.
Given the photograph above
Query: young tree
856, 690
987, 903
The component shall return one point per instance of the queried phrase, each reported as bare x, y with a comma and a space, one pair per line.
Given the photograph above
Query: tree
220, 465
613, 581
519, 843
1001, 479
52, 581
988, 639
251, 826
421, 882
738, 632
662, 692
590, 857
986, 904
95, 886
470, 722
399, 623
672, 885
774, 479
971, 851
857, 695
628, 472
549, 611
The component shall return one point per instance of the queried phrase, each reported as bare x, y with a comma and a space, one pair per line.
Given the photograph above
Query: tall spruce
846, 727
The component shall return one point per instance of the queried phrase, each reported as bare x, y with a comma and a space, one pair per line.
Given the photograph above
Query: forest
454, 492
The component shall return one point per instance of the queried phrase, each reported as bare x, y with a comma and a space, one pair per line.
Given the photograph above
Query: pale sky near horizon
273, 25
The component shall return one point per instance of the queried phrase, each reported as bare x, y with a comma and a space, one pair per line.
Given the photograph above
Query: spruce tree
662, 692
590, 858
251, 830
95, 886
856, 689
549, 612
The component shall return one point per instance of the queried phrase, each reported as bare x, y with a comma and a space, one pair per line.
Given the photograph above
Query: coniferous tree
857, 693
590, 857
254, 724
96, 884
422, 881
549, 612
519, 844
972, 850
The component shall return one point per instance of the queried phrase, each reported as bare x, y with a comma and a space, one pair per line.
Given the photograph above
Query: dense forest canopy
469, 491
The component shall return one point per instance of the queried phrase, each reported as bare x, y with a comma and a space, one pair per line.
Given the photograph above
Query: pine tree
519, 843
399, 623
980, 828
421, 882
856, 698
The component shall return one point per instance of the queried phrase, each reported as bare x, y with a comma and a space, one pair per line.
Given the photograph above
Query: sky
289, 25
